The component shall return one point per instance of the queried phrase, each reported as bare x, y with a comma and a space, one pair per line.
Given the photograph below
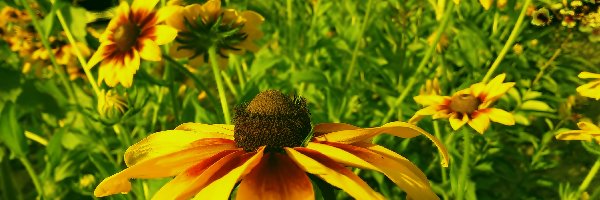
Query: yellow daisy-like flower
588, 132
268, 153
591, 89
202, 26
132, 34
471, 105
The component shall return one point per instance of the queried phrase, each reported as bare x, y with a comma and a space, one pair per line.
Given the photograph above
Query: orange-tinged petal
324, 128
320, 165
477, 89
178, 52
456, 123
588, 75
221, 187
193, 179
143, 4
159, 167
500, 116
224, 129
587, 126
164, 34
166, 142
197, 61
415, 185
98, 56
276, 177
212, 8
175, 20
121, 17
480, 122
398, 129
150, 51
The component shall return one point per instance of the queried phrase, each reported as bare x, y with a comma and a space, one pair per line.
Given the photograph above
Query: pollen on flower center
464, 103
271, 119
126, 36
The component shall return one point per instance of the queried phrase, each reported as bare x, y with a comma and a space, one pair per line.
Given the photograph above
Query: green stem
463, 177
358, 42
588, 179
412, 80
46, 43
229, 84
240, 74
169, 76
33, 175
509, 42
212, 55
196, 80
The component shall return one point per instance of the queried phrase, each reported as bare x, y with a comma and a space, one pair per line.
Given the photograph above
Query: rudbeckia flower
541, 17
591, 89
206, 25
588, 132
269, 151
471, 105
133, 34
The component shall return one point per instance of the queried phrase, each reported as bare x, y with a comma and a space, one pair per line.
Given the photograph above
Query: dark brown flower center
271, 119
126, 36
464, 103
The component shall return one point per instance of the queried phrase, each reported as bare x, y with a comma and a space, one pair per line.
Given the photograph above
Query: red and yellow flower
133, 34
471, 105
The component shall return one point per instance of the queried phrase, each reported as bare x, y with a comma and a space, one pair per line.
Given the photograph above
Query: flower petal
168, 12
176, 17
159, 167
591, 90
430, 99
178, 52
456, 123
420, 114
143, 4
224, 129
225, 182
578, 135
164, 34
324, 128
132, 64
320, 165
415, 185
480, 122
276, 177
149, 50
587, 126
588, 75
500, 116
398, 129
98, 56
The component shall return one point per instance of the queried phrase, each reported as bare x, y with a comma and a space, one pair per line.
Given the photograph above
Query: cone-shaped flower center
126, 36
464, 103
271, 119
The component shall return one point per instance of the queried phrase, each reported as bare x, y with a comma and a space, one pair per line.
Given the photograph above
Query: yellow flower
591, 89
268, 153
471, 105
132, 34
111, 104
202, 26
588, 132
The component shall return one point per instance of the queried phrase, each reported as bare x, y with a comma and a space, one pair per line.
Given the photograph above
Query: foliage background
309, 49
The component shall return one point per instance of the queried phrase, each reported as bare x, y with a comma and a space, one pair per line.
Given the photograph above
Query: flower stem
212, 55
358, 41
33, 175
511, 40
588, 179
463, 177
46, 43
412, 80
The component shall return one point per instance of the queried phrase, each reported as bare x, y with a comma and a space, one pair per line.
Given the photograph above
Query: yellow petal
591, 90
175, 20
121, 17
193, 179
430, 99
147, 5
477, 89
456, 123
480, 122
132, 64
398, 129
225, 129
228, 181
429, 110
178, 52
98, 56
166, 142
324, 128
415, 185
576, 135
150, 51
168, 12
276, 177
587, 126
159, 167
212, 8
320, 165
164, 34
500, 116
486, 4
588, 75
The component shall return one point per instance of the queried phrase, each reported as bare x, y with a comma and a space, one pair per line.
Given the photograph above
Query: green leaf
536, 105
76, 19
11, 132
71, 140
54, 149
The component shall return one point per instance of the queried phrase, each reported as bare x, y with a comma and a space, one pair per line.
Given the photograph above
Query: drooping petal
276, 177
149, 50
320, 165
456, 122
324, 128
224, 129
480, 122
500, 116
398, 129
220, 182
159, 167
415, 185
164, 34
193, 179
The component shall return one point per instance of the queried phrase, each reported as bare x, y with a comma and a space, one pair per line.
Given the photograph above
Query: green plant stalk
59, 71
34, 178
168, 76
463, 177
588, 179
212, 55
189, 74
358, 42
78, 53
412, 80
229, 84
240, 74
511, 40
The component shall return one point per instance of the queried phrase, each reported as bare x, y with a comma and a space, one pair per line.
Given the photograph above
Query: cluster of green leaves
351, 60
